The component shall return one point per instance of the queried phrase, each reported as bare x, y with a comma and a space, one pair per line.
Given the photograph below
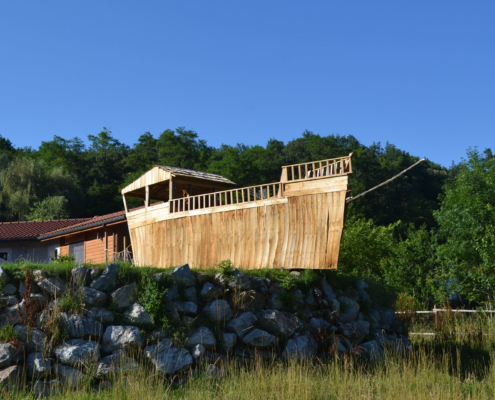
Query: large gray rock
114, 365
211, 292
201, 279
229, 340
191, 294
52, 285
45, 389
70, 377
11, 315
81, 276
4, 277
184, 276
300, 347
39, 300
79, 326
7, 354
242, 324
198, 351
278, 323
220, 280
355, 331
259, 285
202, 336
78, 352
275, 303
38, 366
121, 337
100, 314
93, 297
349, 309
33, 339
259, 338
218, 311
372, 350
136, 314
10, 376
108, 279
387, 317
239, 282
327, 290
172, 293
125, 296
8, 301
250, 300
168, 359
318, 323
9, 289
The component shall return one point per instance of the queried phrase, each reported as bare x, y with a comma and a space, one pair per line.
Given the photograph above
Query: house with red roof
20, 240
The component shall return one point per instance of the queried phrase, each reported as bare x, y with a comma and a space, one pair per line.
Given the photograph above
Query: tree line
427, 233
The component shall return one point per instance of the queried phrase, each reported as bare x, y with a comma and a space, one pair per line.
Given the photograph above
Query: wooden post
147, 200
125, 247
170, 190
125, 204
106, 246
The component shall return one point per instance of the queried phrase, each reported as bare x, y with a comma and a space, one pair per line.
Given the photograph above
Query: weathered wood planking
302, 231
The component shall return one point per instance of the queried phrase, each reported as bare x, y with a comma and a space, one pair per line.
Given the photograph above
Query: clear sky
419, 74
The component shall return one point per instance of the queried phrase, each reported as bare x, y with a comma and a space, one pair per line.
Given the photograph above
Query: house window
53, 252
4, 255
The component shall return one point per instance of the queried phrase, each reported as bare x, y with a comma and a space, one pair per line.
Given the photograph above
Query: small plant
63, 259
287, 282
152, 298
27, 313
226, 267
72, 302
7, 334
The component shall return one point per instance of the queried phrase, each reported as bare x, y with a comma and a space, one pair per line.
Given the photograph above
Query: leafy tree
466, 221
50, 208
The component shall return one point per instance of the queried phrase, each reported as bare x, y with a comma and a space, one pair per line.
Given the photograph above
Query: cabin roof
24, 230
196, 174
157, 177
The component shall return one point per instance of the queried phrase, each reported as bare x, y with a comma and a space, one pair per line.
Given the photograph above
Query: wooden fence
317, 169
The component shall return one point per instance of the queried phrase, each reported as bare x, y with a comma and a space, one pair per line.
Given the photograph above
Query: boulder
187, 321
125, 296
250, 300
95, 273
387, 317
70, 377
300, 347
52, 285
172, 293
218, 311
167, 358
198, 351
379, 337
202, 336
259, 285
220, 280
121, 337
184, 276
4, 277
38, 366
78, 352
328, 292
275, 303
278, 323
22, 288
355, 331
39, 300
79, 326
11, 315
211, 292
349, 309
7, 355
229, 340
191, 294
10, 376
33, 339
8, 301
362, 285
372, 350
108, 279
100, 314
242, 324
239, 282
45, 389
112, 365
319, 323
310, 298
136, 314
93, 297
81, 276
201, 279
259, 338
334, 306
9, 289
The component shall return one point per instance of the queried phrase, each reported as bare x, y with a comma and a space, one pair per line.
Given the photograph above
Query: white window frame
7, 250
50, 249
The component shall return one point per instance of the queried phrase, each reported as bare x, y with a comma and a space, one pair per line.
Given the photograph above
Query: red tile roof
98, 219
33, 229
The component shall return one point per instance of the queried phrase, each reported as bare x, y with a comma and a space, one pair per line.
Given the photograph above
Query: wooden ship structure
201, 218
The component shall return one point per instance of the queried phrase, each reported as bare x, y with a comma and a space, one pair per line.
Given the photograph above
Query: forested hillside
428, 234
66, 178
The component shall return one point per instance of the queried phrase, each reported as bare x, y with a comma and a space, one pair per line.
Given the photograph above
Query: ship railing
317, 169
228, 197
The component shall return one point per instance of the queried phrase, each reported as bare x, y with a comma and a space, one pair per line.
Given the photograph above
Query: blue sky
420, 74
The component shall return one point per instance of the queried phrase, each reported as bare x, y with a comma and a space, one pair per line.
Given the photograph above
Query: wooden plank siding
300, 231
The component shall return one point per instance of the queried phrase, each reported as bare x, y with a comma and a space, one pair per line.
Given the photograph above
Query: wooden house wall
303, 232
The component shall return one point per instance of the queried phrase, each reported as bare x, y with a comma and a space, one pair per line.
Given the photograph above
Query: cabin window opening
4, 255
